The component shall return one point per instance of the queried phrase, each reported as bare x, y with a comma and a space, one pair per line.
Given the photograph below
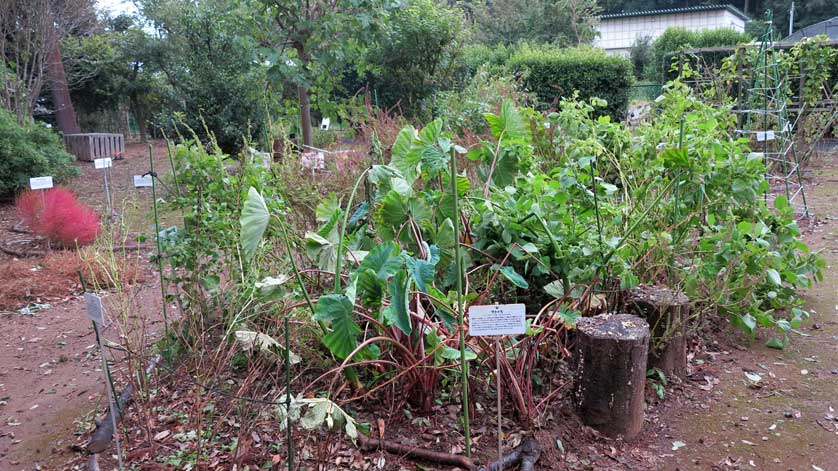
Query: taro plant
398, 246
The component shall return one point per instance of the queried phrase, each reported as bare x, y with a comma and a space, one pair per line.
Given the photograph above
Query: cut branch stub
667, 313
611, 352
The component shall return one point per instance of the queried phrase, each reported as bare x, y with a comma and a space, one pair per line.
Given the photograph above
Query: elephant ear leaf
508, 124
254, 220
397, 312
337, 310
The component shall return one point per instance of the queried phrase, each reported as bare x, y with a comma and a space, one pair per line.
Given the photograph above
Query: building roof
828, 27
672, 11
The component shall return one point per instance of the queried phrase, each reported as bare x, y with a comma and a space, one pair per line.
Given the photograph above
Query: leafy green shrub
491, 58
417, 55
641, 50
559, 22
28, 151
675, 39
465, 109
552, 73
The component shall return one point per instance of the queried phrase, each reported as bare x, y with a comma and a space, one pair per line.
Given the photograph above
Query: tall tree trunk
305, 99
305, 115
65, 114
139, 114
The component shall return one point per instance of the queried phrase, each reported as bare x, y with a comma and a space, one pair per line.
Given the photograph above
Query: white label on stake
142, 181
760, 136
497, 319
95, 309
103, 163
40, 183
769, 136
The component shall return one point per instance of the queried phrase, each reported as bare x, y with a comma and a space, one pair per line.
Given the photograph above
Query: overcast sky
117, 6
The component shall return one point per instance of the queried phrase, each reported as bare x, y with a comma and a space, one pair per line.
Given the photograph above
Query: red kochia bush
58, 216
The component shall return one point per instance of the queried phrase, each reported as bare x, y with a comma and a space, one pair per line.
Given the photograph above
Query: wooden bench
90, 146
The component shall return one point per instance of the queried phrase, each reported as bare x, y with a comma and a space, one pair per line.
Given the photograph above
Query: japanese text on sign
497, 319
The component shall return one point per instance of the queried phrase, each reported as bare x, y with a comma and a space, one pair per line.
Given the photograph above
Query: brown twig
439, 457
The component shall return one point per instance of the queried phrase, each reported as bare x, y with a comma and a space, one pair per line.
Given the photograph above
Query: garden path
50, 373
790, 422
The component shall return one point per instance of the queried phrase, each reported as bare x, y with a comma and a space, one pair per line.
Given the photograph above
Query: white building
618, 31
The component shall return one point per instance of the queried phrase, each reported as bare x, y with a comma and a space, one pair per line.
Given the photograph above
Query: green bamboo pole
459, 268
157, 238
288, 431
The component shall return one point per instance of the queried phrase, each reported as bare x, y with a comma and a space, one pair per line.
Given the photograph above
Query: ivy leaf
337, 310
254, 220
397, 312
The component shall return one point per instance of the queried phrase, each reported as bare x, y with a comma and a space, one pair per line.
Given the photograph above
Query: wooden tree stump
667, 313
611, 354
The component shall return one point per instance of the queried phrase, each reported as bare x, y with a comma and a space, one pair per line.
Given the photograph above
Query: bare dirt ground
51, 381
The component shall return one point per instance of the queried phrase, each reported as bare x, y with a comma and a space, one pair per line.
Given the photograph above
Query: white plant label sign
95, 309
497, 319
141, 181
40, 183
103, 163
765, 136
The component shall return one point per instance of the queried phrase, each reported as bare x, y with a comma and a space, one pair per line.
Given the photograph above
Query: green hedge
27, 151
552, 73
675, 39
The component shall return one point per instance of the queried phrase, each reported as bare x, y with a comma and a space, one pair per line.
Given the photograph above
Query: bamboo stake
459, 268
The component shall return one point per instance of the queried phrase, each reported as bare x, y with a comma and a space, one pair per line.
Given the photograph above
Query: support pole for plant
289, 435
459, 269
157, 237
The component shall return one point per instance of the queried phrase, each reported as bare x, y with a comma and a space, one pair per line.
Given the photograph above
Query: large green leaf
337, 310
397, 312
422, 272
254, 220
506, 169
323, 251
393, 212
383, 260
433, 160
510, 274
508, 122
405, 157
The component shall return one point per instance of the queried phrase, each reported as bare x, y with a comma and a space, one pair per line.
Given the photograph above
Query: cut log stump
611, 354
667, 313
